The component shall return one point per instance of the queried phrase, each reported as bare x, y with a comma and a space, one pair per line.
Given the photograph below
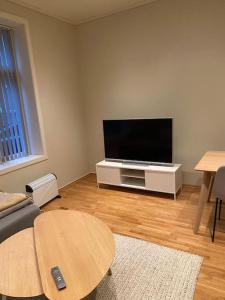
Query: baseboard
192, 178
76, 179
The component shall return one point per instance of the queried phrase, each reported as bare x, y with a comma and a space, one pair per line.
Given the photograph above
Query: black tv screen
143, 140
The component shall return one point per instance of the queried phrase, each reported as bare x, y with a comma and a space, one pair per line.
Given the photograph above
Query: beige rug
142, 270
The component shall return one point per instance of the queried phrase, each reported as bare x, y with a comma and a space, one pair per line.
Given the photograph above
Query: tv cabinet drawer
108, 175
160, 182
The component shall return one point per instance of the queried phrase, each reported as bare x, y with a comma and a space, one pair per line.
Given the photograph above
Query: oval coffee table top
18, 266
81, 245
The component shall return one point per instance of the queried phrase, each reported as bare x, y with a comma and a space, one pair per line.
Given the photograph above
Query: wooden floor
157, 218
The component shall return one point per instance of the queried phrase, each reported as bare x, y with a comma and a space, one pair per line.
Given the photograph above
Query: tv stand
165, 179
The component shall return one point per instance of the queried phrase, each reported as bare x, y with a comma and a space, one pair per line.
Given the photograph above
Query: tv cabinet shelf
132, 181
133, 173
166, 179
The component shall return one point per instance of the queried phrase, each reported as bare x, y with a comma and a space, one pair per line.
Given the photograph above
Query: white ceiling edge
129, 7
42, 11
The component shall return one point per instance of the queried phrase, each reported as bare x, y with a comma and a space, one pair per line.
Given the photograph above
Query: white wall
55, 58
163, 59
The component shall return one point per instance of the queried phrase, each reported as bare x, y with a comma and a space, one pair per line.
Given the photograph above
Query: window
22, 140
13, 141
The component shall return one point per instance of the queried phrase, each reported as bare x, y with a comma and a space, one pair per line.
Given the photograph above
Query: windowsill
19, 163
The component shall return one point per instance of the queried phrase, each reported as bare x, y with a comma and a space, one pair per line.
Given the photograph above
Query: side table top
211, 161
81, 245
19, 270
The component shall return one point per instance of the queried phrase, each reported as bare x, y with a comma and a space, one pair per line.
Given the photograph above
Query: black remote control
58, 278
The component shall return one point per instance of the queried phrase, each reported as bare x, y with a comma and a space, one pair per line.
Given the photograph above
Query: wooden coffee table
81, 245
18, 266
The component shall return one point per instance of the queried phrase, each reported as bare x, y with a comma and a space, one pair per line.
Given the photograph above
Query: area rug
143, 270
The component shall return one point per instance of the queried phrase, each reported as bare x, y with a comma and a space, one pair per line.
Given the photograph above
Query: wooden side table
209, 164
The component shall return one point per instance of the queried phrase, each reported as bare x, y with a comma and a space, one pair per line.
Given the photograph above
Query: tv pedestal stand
165, 179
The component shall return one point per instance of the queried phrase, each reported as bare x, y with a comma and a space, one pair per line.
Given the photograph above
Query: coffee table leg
4, 297
92, 295
109, 272
204, 195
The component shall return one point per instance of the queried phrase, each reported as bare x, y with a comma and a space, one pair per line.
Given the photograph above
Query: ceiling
80, 11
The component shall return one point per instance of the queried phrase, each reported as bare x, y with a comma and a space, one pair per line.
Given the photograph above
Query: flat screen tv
139, 140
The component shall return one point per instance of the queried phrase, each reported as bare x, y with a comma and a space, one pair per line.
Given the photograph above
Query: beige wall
165, 59
54, 50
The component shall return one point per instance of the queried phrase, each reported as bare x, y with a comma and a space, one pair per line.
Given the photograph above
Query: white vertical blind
13, 142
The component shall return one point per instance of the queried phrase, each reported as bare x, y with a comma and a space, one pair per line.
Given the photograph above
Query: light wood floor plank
156, 218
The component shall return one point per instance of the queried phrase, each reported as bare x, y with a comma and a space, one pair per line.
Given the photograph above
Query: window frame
30, 109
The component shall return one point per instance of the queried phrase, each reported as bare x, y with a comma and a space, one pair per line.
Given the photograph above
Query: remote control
58, 278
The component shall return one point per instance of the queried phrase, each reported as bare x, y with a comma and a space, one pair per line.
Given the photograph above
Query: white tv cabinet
165, 179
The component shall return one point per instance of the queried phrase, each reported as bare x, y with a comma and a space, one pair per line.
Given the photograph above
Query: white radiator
43, 189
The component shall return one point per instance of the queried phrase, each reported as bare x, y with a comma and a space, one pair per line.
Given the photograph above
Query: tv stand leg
175, 196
